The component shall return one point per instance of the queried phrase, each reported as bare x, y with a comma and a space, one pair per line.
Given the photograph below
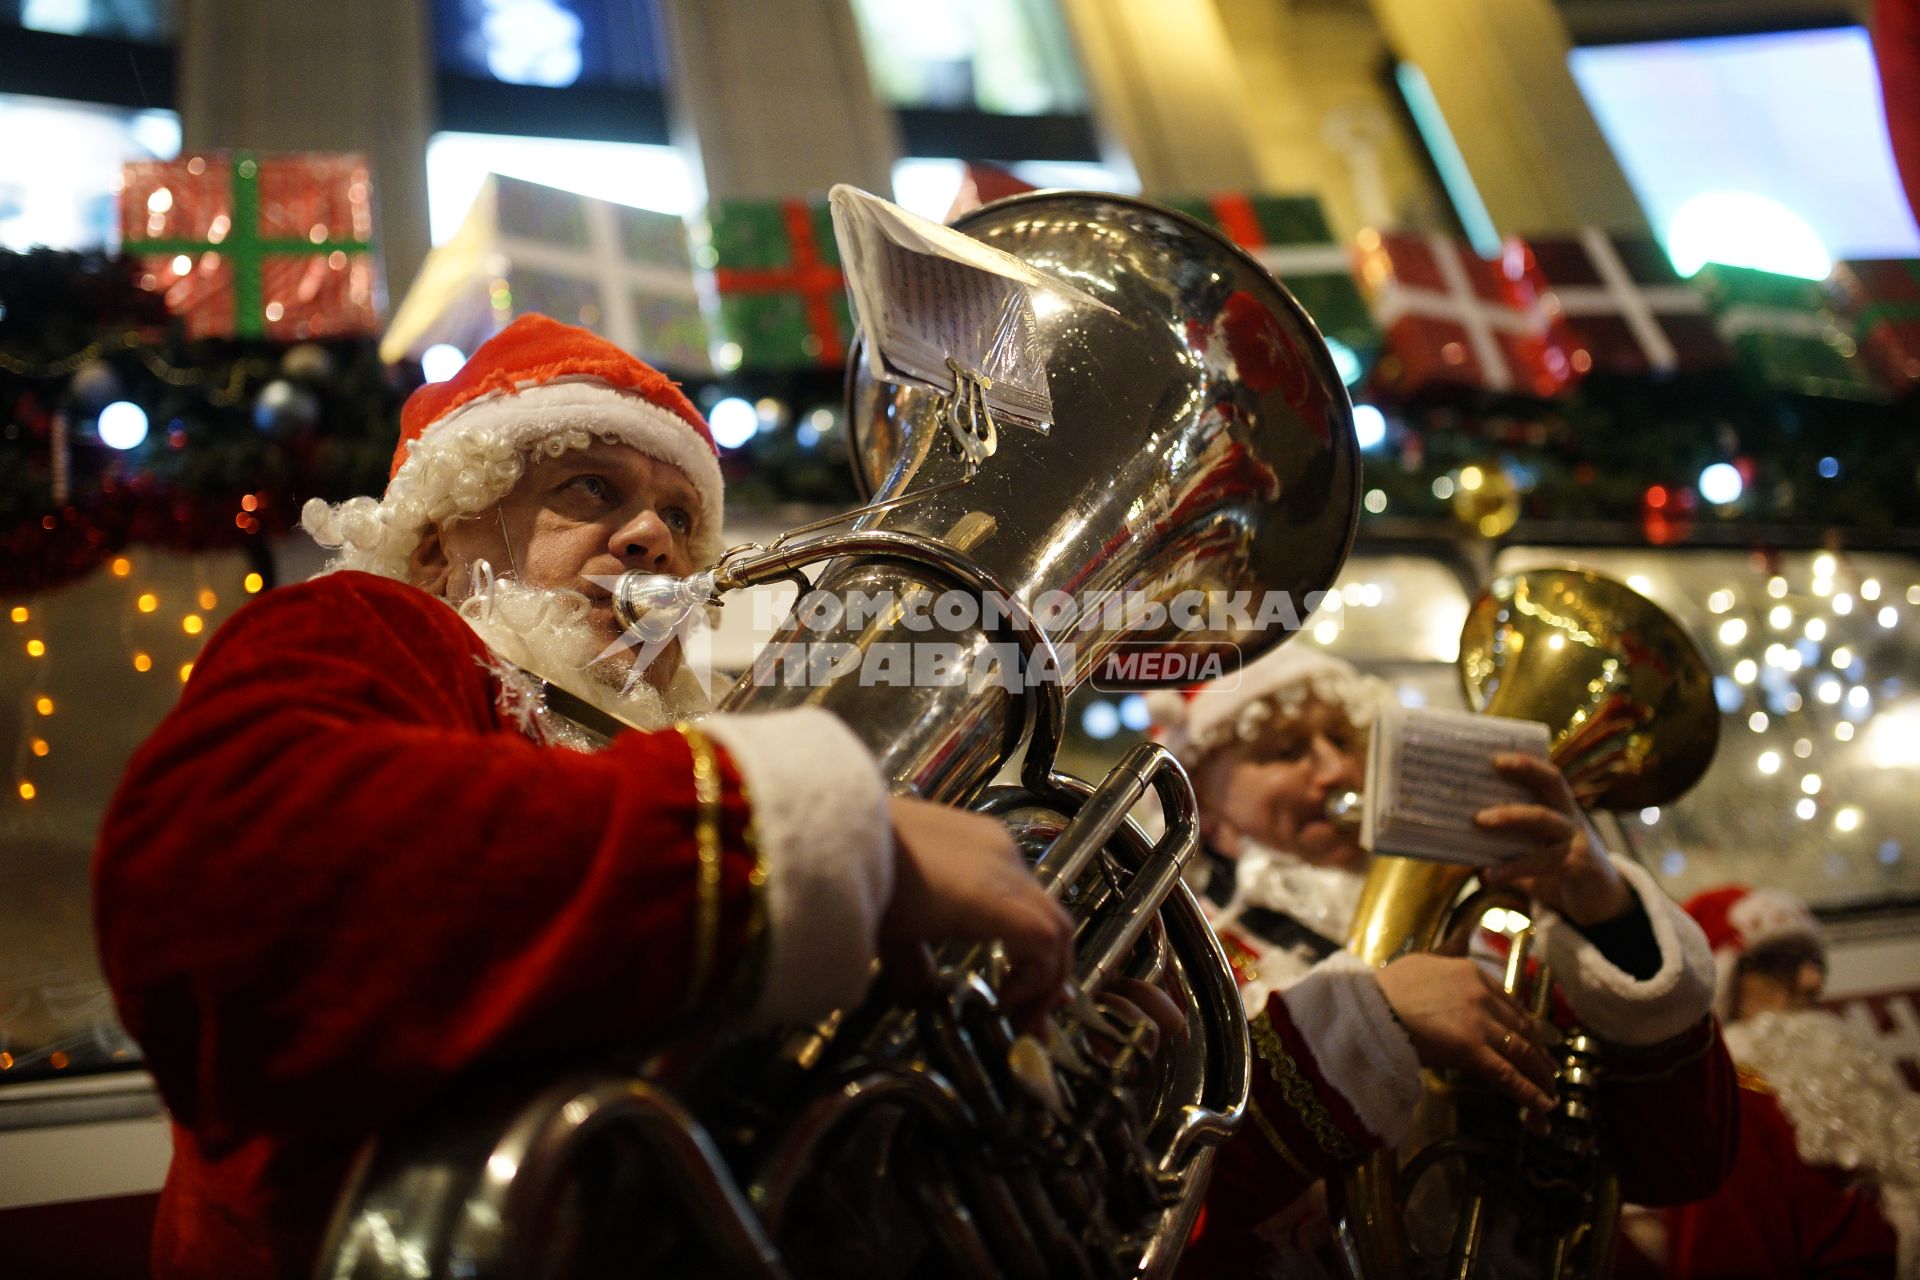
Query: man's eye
677, 520
591, 486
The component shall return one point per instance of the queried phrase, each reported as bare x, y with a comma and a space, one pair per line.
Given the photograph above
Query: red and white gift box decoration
1454, 320
1626, 305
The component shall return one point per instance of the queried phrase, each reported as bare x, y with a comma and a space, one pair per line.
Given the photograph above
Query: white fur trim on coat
820, 810
1339, 1009
1611, 1003
531, 414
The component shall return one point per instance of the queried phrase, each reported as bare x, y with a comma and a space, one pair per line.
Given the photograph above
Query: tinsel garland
238, 432
241, 433
1806, 463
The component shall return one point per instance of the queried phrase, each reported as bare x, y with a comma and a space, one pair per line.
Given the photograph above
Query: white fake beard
549, 633
1322, 898
1849, 1107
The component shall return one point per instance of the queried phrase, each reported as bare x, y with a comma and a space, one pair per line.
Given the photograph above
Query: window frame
589, 113
43, 64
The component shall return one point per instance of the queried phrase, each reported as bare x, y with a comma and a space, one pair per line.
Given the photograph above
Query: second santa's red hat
1738, 919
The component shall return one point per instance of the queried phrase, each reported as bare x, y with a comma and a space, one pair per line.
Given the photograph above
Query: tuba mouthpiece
1343, 809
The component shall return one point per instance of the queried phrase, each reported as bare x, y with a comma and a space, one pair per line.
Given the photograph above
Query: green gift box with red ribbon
1290, 237
783, 295
245, 245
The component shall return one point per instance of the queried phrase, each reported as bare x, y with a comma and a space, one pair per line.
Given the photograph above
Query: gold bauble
1485, 498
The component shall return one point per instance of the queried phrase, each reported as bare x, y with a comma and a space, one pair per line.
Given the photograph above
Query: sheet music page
925, 293
1434, 771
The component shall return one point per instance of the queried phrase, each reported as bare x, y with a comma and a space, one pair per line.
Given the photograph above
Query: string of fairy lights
1802, 673
161, 630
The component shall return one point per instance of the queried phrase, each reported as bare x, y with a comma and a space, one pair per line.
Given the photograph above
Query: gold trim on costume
706, 791
1278, 1143
750, 975
1299, 1091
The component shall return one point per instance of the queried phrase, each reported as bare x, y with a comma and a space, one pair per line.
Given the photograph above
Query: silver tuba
1202, 443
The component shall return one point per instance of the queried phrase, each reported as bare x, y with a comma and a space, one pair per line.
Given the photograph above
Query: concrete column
292, 75
1323, 122
775, 98
1498, 69
1164, 81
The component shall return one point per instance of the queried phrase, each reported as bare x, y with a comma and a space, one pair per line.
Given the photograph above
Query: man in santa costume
1340, 1044
1829, 1162
360, 860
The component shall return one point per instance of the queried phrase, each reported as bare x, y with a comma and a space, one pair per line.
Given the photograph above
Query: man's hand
1567, 871
1458, 1017
957, 876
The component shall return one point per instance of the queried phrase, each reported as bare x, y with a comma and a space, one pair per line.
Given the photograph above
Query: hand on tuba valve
958, 875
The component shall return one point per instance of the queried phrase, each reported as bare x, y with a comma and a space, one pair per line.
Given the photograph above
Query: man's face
1781, 977
596, 512
1275, 789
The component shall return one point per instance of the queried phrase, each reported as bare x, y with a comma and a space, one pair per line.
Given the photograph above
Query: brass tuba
1201, 443
1629, 701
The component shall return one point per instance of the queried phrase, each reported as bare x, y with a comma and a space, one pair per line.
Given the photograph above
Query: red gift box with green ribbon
1881, 297
783, 296
257, 246
1289, 236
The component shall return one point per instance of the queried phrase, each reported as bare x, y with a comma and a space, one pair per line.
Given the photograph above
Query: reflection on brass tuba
1629, 701
1201, 442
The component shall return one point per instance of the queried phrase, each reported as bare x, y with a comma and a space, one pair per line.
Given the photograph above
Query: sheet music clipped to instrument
1429, 772
926, 294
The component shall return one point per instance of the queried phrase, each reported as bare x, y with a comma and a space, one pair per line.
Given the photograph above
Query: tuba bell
1201, 443
1629, 701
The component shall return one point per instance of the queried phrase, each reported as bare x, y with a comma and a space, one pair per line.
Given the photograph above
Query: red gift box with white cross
1455, 321
1626, 305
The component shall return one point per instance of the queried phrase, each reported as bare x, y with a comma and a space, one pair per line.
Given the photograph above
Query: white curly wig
458, 474
1237, 708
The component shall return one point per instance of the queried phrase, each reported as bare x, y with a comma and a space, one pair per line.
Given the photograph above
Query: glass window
1814, 787
1005, 57
1741, 147
928, 186
552, 43
60, 168
646, 177
148, 21
91, 669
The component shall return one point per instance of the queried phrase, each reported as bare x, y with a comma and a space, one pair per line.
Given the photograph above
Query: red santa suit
342, 875
1829, 1161
1336, 1078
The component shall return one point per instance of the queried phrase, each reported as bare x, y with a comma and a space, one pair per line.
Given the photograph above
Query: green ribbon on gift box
247, 247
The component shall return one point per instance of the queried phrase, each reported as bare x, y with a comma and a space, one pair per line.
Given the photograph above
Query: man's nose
643, 542
1332, 767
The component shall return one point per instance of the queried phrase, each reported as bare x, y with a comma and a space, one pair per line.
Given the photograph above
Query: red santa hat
537, 384
1199, 720
1738, 920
